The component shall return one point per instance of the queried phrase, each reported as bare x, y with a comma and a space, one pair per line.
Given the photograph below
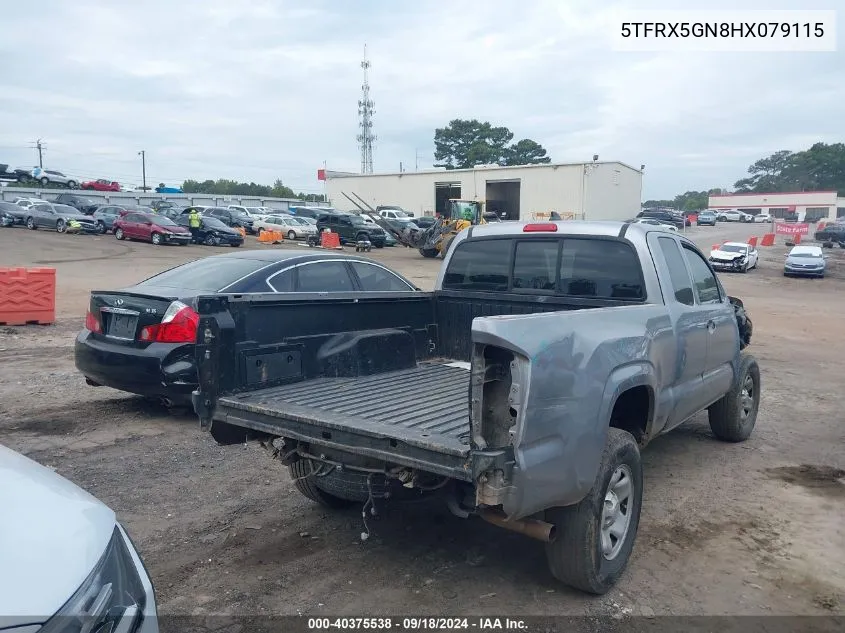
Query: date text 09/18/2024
479, 623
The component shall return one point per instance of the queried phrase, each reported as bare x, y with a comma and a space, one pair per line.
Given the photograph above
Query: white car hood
51, 536
725, 256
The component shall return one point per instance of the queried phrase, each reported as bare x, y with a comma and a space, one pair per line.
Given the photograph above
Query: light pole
143, 156
587, 170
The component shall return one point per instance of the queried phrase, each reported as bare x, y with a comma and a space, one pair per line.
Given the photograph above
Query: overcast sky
259, 89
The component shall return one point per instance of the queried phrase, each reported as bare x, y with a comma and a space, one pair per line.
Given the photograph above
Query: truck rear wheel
733, 417
595, 537
300, 472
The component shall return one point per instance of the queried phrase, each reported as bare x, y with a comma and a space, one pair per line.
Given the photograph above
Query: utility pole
40, 157
400, 167
416, 160
143, 155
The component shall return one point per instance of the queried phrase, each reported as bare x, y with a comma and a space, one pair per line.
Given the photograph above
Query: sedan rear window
211, 274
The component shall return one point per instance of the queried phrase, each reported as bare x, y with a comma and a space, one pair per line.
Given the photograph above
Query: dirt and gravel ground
754, 528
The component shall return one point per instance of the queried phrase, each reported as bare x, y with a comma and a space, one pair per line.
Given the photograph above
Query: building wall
610, 191
820, 203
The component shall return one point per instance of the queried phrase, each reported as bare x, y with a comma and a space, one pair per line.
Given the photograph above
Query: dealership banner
782, 228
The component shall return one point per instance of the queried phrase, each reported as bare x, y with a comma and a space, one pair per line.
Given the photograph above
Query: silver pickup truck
520, 391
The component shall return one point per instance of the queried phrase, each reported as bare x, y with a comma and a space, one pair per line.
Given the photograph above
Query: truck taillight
540, 227
179, 325
92, 323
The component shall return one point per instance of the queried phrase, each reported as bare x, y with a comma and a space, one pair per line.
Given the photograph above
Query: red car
149, 227
101, 185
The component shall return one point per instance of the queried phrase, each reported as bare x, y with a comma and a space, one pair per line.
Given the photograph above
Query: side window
377, 279
681, 285
535, 265
324, 277
479, 265
281, 282
344, 222
706, 286
604, 269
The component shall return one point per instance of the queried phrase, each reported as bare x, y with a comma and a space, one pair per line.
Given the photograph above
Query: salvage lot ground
726, 529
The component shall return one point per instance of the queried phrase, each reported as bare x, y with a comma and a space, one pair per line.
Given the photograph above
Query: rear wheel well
632, 411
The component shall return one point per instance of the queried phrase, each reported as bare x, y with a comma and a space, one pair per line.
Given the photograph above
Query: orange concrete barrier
752, 241
768, 240
796, 239
27, 295
270, 237
329, 240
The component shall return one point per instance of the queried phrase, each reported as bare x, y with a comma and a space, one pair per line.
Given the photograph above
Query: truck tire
585, 555
299, 471
733, 417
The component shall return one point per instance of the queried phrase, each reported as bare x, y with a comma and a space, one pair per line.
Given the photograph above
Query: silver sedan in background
292, 228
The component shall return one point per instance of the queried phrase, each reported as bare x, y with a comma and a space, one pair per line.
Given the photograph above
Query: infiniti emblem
118, 302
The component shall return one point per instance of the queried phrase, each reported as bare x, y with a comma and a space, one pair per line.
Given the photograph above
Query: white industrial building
808, 205
592, 191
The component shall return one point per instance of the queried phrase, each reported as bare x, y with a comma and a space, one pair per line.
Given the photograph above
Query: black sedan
211, 232
140, 339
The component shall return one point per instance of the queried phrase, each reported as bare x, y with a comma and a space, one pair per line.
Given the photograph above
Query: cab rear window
575, 267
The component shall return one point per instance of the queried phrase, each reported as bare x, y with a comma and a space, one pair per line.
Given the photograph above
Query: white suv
51, 176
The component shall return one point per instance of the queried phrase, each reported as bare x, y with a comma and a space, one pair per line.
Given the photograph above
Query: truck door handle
711, 325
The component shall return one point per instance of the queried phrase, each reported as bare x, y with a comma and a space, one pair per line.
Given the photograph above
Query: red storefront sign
783, 228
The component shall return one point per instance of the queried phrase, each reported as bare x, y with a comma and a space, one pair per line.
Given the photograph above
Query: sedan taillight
92, 323
179, 325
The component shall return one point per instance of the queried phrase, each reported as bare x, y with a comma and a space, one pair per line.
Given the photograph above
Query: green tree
819, 168
225, 187
467, 143
526, 152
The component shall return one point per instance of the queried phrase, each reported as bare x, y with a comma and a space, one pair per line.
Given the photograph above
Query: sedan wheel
101, 227
155, 238
212, 240
118, 234
291, 235
45, 181
60, 226
30, 224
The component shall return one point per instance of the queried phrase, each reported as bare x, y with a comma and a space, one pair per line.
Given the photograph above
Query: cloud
269, 89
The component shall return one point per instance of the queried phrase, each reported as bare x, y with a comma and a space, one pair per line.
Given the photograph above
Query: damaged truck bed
521, 390
378, 416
